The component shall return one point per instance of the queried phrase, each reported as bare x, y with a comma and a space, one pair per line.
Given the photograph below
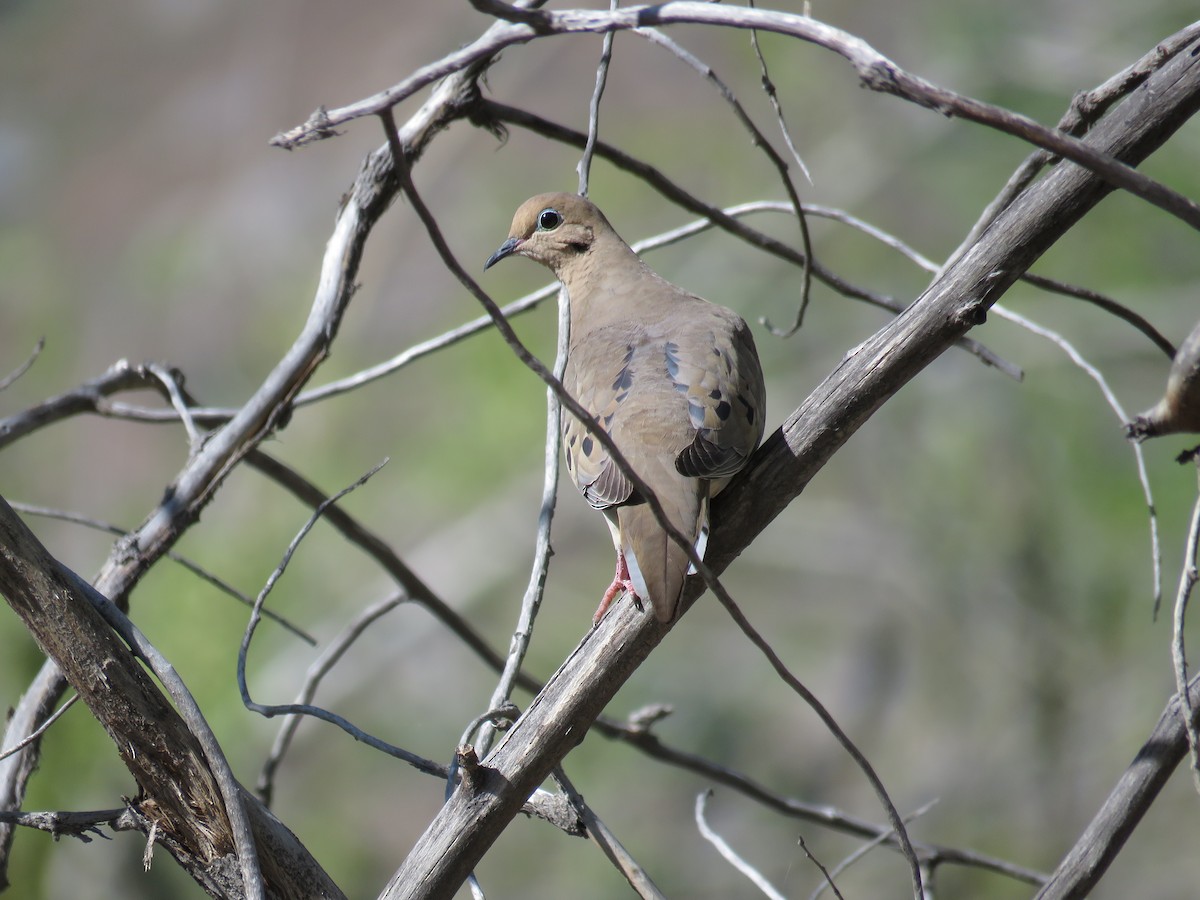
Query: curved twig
875, 70
8, 380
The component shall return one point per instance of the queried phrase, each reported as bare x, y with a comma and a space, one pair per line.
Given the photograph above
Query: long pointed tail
658, 565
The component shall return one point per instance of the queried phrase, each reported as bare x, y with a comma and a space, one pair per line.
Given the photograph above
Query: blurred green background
967, 585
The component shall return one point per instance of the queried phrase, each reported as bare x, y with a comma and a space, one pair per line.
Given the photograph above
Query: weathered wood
1087, 861
177, 791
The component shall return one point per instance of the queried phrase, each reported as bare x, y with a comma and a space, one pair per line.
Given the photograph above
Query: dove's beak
508, 248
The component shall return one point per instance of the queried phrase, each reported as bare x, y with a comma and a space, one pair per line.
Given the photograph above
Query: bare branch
782, 467
833, 728
1108, 305
773, 95
731, 856
291, 709
172, 384
222, 586
1187, 582
8, 380
319, 668
42, 729
602, 836
827, 879
534, 591
1096, 848
759, 140
927, 863
826, 816
166, 756
1115, 405
80, 824
584, 168
356, 533
189, 711
875, 70
1086, 108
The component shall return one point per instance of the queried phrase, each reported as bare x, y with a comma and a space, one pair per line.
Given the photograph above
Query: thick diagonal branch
178, 791
957, 300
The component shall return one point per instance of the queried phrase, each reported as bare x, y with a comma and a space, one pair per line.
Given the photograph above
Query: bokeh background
967, 585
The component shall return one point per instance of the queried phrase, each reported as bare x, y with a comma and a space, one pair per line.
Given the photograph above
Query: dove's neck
609, 283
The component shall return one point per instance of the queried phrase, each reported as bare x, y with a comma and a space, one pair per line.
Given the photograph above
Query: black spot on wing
671, 352
704, 459
624, 380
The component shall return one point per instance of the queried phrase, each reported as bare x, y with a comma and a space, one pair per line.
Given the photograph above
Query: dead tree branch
957, 300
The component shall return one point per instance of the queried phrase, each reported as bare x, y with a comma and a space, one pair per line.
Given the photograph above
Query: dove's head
556, 230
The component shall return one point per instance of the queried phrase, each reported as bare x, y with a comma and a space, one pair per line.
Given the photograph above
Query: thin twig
759, 140
375, 547
1187, 582
773, 95
1107, 304
826, 875
170, 380
875, 70
319, 668
862, 851
1115, 405
826, 816
731, 855
110, 528
531, 602
41, 729
270, 711
602, 836
833, 727
24, 367
584, 168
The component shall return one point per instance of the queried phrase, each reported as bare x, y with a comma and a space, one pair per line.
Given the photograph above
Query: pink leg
621, 582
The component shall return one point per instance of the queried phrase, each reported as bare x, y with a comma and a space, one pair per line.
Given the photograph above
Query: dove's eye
549, 219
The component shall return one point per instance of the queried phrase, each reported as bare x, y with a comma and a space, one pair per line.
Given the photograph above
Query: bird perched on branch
1179, 409
674, 380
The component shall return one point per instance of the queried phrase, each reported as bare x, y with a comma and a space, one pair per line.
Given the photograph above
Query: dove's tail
657, 564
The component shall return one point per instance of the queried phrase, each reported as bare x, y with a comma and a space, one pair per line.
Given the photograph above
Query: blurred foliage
967, 585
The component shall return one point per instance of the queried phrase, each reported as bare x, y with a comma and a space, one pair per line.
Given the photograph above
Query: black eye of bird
549, 219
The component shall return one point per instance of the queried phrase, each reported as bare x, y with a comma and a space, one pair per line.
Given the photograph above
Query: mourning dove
673, 379
1179, 409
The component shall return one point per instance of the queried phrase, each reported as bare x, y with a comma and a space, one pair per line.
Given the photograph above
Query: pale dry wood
956, 301
178, 792
1087, 861
876, 71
